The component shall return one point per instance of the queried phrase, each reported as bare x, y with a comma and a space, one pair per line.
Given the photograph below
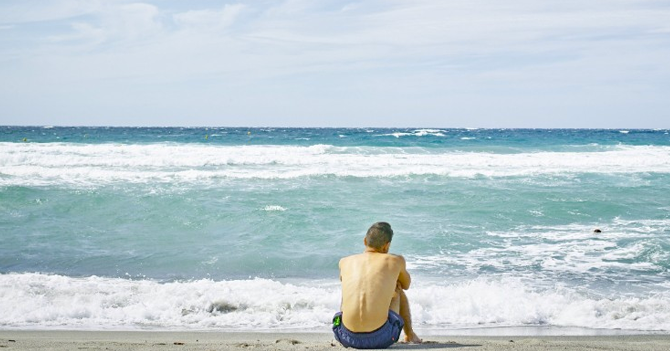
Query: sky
324, 63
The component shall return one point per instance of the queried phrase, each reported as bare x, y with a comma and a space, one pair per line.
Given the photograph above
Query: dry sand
178, 341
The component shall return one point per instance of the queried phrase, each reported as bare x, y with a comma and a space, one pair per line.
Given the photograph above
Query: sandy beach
123, 340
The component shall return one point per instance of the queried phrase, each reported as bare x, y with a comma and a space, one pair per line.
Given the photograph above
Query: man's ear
365, 242
387, 247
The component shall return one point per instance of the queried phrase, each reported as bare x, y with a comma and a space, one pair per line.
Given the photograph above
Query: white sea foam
52, 301
38, 301
272, 208
88, 165
628, 250
418, 133
509, 302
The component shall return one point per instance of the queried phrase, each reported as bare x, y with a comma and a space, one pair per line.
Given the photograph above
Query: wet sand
153, 340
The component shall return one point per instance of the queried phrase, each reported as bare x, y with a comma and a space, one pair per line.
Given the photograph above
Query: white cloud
134, 21
15, 11
299, 56
209, 19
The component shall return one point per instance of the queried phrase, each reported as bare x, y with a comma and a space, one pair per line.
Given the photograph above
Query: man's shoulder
392, 259
397, 259
348, 258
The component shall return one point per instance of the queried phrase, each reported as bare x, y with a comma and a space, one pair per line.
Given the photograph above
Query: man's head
379, 237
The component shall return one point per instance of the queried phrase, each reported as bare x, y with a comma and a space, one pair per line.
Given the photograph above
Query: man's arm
403, 278
339, 265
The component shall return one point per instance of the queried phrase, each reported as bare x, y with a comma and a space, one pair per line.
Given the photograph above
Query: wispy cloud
384, 57
30, 12
209, 19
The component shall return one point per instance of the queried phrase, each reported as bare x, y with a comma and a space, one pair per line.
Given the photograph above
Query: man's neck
372, 250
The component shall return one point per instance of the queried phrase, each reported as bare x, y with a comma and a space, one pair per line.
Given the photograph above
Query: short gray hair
379, 235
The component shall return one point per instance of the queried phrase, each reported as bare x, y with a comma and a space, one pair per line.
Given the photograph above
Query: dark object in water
221, 306
597, 230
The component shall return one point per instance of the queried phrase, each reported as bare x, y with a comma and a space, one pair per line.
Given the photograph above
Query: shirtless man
374, 305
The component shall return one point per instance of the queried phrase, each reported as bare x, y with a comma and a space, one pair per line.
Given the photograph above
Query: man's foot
412, 338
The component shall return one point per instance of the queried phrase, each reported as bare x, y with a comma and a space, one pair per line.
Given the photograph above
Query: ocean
242, 228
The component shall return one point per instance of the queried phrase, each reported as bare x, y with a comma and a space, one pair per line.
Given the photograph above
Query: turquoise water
145, 227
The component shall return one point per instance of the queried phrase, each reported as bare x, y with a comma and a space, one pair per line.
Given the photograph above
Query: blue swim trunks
383, 337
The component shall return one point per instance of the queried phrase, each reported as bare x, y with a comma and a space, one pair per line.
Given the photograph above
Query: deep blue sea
146, 228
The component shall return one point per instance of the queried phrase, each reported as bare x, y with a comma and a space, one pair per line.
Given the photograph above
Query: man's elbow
401, 286
405, 283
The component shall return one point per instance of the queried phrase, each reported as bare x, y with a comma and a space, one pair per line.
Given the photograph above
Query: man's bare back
373, 284
369, 283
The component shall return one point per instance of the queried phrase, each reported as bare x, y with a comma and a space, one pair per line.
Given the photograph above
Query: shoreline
201, 340
483, 331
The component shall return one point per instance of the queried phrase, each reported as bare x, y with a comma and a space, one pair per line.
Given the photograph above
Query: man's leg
403, 311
